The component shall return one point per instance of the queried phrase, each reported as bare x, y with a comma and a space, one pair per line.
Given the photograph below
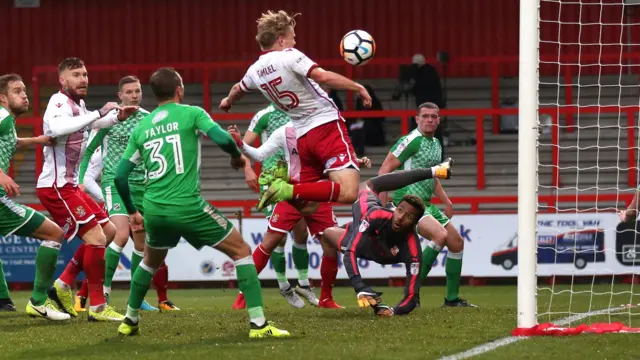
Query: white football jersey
285, 139
283, 78
62, 161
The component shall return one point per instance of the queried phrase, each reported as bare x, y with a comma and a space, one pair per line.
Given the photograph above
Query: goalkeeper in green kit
167, 143
420, 150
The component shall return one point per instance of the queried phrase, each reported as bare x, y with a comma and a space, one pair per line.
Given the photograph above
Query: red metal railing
548, 66
548, 203
479, 116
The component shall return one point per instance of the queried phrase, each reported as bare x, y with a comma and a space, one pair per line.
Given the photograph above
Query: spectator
373, 127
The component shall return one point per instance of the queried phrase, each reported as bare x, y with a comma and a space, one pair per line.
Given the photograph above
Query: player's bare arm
11, 187
235, 94
339, 82
38, 140
442, 195
249, 175
631, 212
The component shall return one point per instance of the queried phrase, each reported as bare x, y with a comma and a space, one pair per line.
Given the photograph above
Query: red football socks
74, 267
323, 191
161, 282
261, 258
328, 273
94, 269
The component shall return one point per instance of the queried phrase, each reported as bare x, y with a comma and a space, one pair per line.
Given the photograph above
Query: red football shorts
285, 217
325, 148
72, 209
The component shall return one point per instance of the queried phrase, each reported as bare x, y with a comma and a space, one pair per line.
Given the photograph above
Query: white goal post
528, 162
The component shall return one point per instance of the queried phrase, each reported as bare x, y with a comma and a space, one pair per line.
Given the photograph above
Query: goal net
578, 142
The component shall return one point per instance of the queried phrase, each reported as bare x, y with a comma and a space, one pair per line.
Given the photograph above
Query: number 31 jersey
167, 142
283, 78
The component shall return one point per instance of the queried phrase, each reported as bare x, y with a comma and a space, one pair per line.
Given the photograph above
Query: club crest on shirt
415, 268
394, 250
80, 211
363, 226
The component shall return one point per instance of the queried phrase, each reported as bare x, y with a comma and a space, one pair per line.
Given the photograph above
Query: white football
357, 47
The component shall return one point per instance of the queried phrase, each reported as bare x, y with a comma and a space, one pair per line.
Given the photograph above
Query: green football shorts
16, 219
201, 226
436, 213
114, 204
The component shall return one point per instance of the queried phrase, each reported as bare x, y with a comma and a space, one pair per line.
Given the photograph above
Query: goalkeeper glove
383, 310
368, 299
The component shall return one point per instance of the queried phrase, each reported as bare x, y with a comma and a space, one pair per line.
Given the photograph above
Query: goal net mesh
588, 162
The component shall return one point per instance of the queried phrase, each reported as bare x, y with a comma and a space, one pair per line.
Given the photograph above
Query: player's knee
95, 236
348, 194
455, 242
109, 231
121, 237
57, 234
244, 250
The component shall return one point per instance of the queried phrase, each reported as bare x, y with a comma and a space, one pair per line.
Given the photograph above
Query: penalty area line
492, 345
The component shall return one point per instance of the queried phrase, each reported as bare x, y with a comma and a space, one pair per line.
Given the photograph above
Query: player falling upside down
113, 142
264, 124
384, 236
67, 120
289, 79
286, 217
16, 219
420, 150
167, 143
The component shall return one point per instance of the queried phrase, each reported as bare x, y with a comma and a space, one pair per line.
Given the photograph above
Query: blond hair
273, 25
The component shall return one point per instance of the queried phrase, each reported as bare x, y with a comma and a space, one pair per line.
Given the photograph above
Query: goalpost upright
528, 162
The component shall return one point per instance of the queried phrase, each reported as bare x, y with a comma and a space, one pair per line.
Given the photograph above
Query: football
357, 47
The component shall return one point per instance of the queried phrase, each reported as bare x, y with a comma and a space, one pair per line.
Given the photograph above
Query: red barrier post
35, 97
632, 173
206, 90
480, 150
495, 95
555, 151
404, 124
568, 96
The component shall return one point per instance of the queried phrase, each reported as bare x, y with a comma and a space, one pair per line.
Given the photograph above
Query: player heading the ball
289, 79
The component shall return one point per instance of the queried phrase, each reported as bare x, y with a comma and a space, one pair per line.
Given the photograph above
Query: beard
18, 109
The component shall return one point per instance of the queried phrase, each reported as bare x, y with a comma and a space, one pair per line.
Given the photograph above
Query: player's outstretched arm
268, 148
339, 82
400, 179
631, 212
94, 142
38, 140
235, 94
62, 122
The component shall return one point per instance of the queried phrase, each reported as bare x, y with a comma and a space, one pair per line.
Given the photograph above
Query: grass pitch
208, 328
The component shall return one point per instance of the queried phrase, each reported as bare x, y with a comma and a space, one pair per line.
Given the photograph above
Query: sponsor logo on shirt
161, 115
363, 226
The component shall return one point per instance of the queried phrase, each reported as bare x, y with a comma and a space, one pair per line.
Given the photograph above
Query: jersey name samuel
161, 129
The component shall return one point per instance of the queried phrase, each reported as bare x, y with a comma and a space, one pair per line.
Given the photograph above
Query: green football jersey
416, 151
113, 142
167, 143
8, 140
264, 123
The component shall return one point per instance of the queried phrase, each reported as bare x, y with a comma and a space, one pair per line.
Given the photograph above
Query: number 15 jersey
283, 78
167, 142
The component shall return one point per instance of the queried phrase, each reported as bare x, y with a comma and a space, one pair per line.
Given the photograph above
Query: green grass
207, 327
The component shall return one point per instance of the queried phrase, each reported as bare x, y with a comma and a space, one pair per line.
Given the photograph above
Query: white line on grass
492, 345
